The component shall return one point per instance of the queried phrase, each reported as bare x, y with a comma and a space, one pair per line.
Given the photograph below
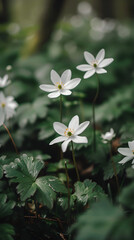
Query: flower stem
16, 150
93, 109
114, 168
61, 153
68, 189
73, 155
61, 108
36, 208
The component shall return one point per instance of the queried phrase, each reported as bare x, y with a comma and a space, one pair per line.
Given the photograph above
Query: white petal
54, 94
57, 140
105, 62
5, 78
89, 57
125, 159
65, 92
65, 144
9, 112
89, 73
131, 145
9, 99
48, 88
100, 56
125, 152
66, 76
2, 97
59, 128
112, 130
100, 70
84, 67
2, 117
81, 127
74, 123
12, 105
55, 78
79, 139
72, 84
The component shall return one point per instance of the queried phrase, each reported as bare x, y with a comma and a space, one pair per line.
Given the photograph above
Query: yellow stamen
59, 86
68, 132
95, 65
3, 105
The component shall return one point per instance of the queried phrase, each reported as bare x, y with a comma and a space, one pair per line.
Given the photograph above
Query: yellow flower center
68, 132
3, 104
133, 152
95, 65
59, 86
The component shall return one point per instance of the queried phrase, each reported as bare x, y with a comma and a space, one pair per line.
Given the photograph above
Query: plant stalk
61, 153
93, 109
16, 150
61, 108
75, 164
67, 177
114, 168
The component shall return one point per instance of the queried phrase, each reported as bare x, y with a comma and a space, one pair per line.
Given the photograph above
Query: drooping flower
108, 136
70, 133
95, 65
61, 85
4, 81
7, 107
128, 153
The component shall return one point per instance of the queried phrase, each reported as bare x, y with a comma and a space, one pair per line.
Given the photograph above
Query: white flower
108, 136
95, 65
8, 67
70, 133
4, 81
61, 85
7, 107
128, 153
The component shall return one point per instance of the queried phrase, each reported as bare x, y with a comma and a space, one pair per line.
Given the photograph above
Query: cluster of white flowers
62, 86
7, 104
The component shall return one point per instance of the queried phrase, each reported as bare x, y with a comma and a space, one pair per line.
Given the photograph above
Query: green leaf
24, 171
127, 196
6, 230
108, 168
88, 191
97, 222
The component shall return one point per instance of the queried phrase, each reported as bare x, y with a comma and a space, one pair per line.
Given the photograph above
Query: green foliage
6, 229
127, 196
32, 128
108, 169
98, 222
25, 171
88, 192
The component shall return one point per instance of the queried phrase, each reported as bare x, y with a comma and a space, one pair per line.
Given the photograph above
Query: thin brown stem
114, 168
93, 109
16, 150
75, 164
